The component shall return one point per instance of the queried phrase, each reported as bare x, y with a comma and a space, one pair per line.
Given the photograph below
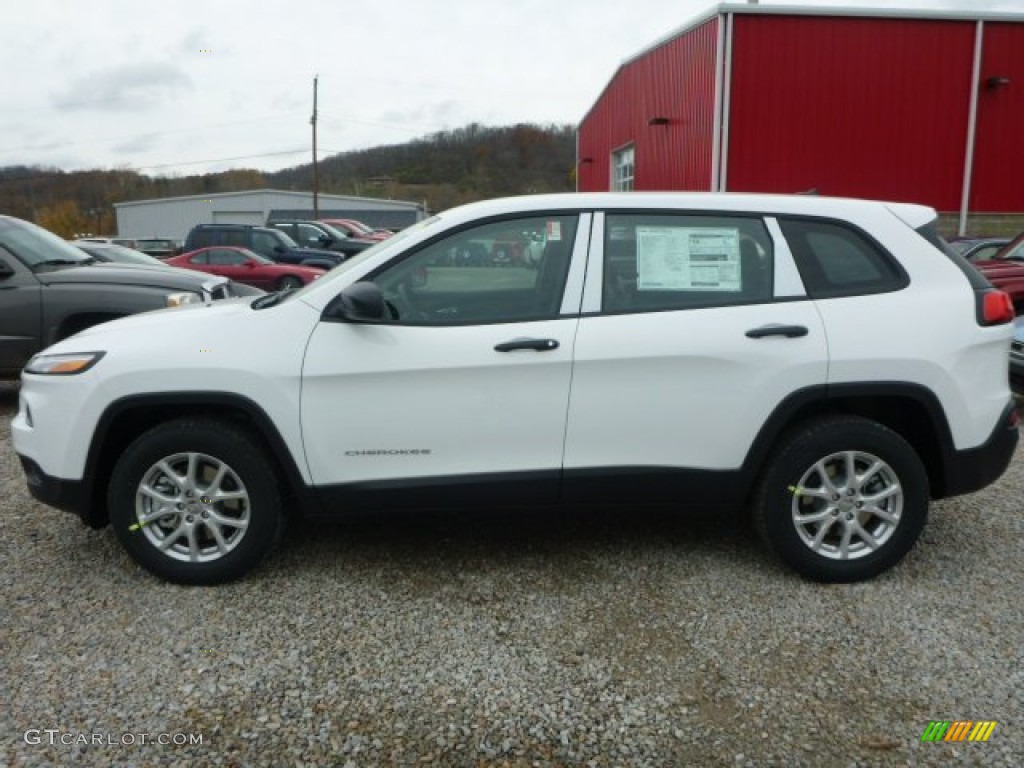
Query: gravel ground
584, 639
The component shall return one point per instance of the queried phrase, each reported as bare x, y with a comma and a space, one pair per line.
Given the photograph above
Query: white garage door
238, 217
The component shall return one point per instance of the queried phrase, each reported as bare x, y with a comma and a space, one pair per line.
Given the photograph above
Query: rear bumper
976, 468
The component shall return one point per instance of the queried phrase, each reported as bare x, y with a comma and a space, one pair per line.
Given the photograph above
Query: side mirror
358, 303
278, 249
5, 270
326, 239
251, 264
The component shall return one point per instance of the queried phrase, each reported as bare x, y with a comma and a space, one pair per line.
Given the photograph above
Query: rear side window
677, 261
238, 237
836, 260
203, 238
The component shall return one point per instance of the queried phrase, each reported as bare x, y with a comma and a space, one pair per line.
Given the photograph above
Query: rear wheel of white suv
195, 502
843, 499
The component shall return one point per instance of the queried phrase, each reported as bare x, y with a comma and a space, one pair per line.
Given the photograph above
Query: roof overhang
833, 11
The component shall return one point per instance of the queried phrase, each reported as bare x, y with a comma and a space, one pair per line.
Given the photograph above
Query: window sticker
687, 259
554, 230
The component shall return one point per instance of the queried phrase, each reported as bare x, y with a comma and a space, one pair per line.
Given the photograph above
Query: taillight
994, 307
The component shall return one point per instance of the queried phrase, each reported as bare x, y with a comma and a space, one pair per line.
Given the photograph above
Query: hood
157, 319
128, 274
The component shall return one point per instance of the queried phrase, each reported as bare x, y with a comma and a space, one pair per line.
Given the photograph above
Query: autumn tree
64, 218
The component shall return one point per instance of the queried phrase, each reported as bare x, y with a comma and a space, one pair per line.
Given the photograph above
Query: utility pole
316, 185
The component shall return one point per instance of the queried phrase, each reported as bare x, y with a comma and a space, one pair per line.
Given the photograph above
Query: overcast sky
184, 86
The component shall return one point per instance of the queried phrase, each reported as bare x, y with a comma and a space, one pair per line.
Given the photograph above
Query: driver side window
507, 271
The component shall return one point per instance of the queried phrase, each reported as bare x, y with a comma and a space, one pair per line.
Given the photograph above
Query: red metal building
915, 106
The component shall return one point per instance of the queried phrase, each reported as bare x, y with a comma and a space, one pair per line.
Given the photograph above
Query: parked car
826, 362
245, 266
266, 241
978, 248
316, 234
159, 247
1012, 251
50, 290
116, 253
1005, 270
125, 242
1017, 357
354, 228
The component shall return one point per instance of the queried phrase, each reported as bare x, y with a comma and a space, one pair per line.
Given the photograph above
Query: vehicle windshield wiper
59, 262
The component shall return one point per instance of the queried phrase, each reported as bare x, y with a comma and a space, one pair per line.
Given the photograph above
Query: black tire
248, 484
289, 283
792, 486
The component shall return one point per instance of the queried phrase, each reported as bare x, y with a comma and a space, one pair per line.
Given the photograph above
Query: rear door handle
789, 331
541, 345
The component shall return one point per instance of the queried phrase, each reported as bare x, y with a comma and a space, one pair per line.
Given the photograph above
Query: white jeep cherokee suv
826, 362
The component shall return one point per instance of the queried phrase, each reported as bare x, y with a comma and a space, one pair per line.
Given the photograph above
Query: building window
622, 169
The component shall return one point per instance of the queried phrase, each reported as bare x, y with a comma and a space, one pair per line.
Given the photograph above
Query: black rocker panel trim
499, 489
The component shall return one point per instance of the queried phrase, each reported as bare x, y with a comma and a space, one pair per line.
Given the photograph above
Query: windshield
358, 226
119, 253
286, 241
34, 245
333, 232
1013, 251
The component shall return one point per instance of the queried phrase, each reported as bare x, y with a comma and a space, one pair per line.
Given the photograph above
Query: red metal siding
864, 107
677, 81
998, 180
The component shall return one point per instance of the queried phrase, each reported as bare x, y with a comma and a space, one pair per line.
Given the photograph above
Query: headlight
63, 365
184, 297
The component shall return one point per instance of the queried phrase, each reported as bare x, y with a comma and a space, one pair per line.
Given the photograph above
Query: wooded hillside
441, 170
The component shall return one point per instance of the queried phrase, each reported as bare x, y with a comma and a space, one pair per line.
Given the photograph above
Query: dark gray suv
50, 289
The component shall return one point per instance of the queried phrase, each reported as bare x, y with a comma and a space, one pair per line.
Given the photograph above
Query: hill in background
440, 170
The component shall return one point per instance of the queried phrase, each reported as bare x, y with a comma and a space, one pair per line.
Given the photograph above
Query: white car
827, 362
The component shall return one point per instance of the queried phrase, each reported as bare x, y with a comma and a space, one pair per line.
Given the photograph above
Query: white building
175, 216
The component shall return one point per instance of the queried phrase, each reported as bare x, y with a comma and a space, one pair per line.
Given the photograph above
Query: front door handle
789, 331
540, 345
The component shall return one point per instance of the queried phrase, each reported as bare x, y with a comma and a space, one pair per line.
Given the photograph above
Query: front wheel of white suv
843, 499
195, 502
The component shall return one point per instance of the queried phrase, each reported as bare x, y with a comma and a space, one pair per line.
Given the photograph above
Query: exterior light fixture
995, 81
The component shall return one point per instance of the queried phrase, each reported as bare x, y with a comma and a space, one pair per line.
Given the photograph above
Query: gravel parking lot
577, 639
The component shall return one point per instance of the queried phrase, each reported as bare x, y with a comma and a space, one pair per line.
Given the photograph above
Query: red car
1005, 271
357, 229
245, 266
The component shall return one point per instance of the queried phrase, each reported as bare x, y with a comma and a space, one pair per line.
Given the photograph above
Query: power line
149, 134
137, 168
224, 159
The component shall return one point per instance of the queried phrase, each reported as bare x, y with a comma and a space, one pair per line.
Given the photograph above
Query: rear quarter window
203, 238
837, 260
